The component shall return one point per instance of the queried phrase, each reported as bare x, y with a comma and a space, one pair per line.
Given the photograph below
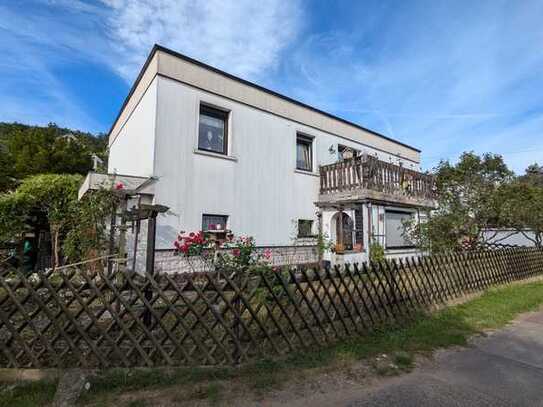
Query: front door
345, 230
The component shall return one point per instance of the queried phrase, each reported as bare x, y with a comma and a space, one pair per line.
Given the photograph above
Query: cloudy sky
444, 76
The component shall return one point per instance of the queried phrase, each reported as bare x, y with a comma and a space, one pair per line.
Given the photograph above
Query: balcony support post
340, 229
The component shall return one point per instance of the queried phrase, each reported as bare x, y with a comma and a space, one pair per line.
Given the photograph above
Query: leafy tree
31, 150
56, 196
78, 228
533, 175
13, 217
523, 209
468, 203
53, 195
88, 234
7, 178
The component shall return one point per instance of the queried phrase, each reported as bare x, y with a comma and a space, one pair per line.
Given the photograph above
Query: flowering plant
232, 254
192, 244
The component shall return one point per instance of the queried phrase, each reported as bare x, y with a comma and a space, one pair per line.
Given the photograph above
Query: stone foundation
167, 262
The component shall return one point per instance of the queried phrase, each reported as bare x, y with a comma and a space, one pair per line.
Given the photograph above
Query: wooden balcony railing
369, 173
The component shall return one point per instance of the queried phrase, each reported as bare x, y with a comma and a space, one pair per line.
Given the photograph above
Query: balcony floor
358, 194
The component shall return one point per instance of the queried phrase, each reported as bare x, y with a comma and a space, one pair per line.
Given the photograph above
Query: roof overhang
129, 183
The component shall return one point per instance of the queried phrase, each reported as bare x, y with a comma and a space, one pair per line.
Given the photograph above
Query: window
213, 130
214, 222
359, 225
305, 227
304, 153
394, 229
344, 230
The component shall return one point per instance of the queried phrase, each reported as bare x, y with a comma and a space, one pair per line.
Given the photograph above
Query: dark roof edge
158, 47
155, 48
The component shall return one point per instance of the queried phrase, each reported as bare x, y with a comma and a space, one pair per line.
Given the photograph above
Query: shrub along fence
85, 318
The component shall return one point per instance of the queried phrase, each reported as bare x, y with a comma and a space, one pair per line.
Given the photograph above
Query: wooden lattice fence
79, 317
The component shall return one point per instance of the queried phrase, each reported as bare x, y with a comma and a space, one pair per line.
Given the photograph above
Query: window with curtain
304, 153
394, 229
213, 130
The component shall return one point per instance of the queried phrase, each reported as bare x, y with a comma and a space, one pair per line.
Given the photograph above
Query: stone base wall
167, 262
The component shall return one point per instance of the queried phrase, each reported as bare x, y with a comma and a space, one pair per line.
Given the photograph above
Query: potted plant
340, 248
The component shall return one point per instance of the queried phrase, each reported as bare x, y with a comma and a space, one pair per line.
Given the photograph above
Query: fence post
150, 264
236, 326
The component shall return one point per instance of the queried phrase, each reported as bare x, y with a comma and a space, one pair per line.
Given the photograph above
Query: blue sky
444, 76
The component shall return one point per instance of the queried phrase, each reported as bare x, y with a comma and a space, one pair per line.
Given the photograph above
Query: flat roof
176, 54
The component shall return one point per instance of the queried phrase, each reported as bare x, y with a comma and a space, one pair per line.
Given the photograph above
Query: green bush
377, 252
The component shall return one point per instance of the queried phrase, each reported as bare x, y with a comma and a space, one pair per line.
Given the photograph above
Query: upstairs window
305, 227
304, 153
213, 130
214, 223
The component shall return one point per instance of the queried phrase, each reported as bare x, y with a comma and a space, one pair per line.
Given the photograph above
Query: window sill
215, 155
396, 248
314, 174
351, 252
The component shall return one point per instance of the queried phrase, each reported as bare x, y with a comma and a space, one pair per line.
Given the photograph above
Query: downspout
369, 230
418, 226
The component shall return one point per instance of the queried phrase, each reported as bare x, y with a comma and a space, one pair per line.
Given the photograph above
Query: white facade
256, 184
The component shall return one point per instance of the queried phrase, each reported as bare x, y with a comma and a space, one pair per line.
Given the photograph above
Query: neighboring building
231, 154
509, 237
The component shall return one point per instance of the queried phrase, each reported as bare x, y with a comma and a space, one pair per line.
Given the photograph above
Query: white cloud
34, 47
42, 39
243, 37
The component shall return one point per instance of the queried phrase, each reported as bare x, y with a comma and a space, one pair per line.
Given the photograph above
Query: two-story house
226, 153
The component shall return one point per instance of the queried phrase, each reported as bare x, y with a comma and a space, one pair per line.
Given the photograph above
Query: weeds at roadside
29, 394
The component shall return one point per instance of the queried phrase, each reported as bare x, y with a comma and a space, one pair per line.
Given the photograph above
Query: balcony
367, 178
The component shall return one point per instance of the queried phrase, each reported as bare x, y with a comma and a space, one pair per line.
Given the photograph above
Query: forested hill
29, 150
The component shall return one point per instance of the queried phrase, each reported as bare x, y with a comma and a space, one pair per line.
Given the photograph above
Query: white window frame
313, 139
228, 155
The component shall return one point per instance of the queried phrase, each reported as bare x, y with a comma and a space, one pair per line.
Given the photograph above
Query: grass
448, 327
29, 394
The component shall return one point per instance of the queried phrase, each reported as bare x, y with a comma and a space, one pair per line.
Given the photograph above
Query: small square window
305, 227
304, 153
213, 130
214, 222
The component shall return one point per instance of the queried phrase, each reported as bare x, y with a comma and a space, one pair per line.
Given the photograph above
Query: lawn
448, 327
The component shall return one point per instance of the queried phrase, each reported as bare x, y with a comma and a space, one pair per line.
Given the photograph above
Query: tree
53, 195
13, 217
523, 209
88, 234
533, 175
468, 203
31, 150
7, 178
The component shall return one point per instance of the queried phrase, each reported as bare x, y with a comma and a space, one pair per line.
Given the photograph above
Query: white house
224, 151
